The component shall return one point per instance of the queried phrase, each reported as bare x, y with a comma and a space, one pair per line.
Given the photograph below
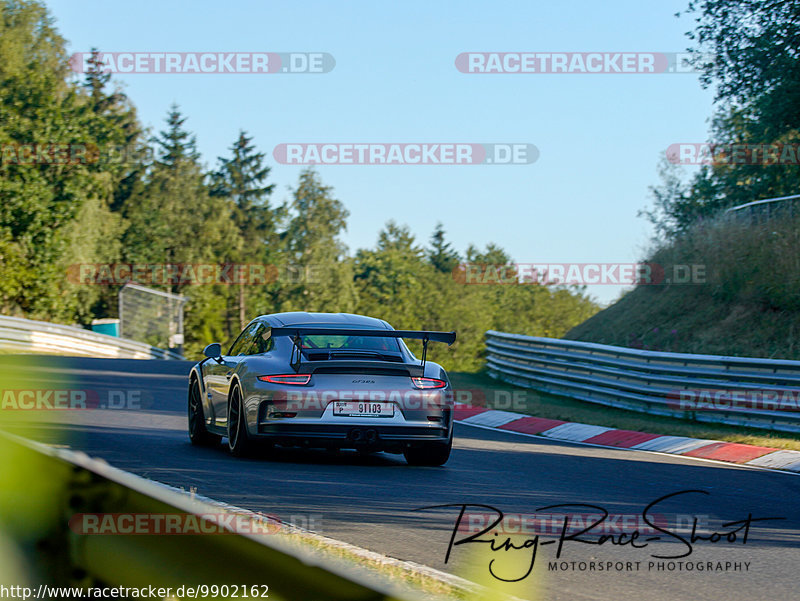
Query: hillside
748, 305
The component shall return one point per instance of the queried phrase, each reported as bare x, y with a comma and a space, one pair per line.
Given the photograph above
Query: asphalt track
372, 501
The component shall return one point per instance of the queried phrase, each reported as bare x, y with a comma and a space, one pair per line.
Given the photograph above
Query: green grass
498, 394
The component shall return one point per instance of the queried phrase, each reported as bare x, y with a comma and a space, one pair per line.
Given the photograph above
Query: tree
441, 254
673, 209
493, 255
32, 90
118, 146
321, 276
756, 65
174, 220
177, 146
392, 278
240, 180
54, 206
756, 71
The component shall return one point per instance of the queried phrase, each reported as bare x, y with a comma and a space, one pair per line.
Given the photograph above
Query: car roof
295, 318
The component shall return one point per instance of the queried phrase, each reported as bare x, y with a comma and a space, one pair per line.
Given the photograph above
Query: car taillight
425, 383
295, 379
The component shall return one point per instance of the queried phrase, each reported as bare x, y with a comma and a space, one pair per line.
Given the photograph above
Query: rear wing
295, 332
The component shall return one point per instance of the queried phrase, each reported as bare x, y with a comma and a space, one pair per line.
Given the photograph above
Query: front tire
198, 433
239, 443
429, 454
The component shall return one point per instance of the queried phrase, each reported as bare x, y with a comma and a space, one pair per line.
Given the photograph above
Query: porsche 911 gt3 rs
325, 380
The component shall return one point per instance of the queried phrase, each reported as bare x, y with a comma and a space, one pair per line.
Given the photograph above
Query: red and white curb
716, 450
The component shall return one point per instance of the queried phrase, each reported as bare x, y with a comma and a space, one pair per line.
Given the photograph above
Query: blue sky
600, 136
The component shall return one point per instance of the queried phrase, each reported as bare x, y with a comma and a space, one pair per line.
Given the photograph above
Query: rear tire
430, 454
198, 434
239, 443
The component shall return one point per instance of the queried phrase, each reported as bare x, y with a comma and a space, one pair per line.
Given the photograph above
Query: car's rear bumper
375, 436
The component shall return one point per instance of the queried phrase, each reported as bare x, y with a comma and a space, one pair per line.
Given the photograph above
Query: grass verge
408, 580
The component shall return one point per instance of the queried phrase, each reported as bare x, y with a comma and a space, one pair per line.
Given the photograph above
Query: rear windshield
357, 343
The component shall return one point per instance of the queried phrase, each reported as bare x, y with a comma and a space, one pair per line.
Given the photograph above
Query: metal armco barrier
27, 336
50, 486
651, 382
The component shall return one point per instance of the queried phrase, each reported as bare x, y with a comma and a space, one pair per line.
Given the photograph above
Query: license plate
363, 409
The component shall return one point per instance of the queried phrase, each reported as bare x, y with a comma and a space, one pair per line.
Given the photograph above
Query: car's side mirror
213, 351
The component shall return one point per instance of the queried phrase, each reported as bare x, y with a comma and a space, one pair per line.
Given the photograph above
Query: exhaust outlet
356, 435
371, 435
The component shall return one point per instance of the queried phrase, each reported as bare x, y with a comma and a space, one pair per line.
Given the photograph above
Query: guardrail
760, 211
658, 383
53, 487
28, 336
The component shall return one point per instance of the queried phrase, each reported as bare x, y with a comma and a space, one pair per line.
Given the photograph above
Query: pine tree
174, 220
441, 254
314, 251
240, 180
177, 147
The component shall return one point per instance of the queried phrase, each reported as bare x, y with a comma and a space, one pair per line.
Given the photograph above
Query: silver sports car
326, 380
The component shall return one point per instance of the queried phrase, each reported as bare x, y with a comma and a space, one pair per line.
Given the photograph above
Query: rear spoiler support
296, 332
424, 351
297, 346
